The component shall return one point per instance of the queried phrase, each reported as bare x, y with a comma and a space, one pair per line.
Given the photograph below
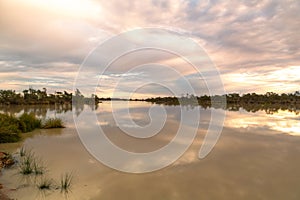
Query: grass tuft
53, 123
26, 164
23, 151
38, 168
45, 184
66, 182
29, 164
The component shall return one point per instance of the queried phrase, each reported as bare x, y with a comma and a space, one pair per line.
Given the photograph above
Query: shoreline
5, 161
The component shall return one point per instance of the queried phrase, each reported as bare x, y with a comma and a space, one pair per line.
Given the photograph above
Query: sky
253, 44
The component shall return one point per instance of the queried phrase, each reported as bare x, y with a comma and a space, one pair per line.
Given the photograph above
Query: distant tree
25, 94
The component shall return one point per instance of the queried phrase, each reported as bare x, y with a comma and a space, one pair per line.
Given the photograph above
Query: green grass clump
23, 151
53, 123
29, 122
45, 184
26, 164
38, 168
66, 182
29, 164
9, 129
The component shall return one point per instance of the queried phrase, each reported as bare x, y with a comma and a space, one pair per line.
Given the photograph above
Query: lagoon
256, 156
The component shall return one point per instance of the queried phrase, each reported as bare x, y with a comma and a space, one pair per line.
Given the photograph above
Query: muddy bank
3, 196
6, 160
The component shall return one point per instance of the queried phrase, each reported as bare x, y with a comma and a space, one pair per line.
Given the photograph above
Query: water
256, 157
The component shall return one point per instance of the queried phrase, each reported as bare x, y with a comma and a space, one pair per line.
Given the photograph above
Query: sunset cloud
254, 44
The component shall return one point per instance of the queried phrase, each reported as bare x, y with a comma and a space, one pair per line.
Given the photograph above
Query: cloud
249, 41
37, 31
248, 32
285, 79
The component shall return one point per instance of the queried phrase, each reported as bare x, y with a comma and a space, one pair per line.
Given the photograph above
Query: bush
53, 123
9, 138
11, 126
9, 129
28, 122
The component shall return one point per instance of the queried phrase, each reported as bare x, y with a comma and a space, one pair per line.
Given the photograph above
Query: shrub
53, 123
9, 138
28, 122
9, 129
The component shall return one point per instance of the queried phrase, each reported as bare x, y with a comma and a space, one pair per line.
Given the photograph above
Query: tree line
232, 98
270, 102
33, 96
40, 96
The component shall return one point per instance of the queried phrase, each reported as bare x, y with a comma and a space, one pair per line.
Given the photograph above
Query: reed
66, 182
45, 184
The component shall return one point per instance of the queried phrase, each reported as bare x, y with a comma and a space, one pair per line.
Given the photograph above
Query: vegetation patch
30, 164
38, 168
28, 122
41, 97
53, 123
45, 184
26, 164
23, 151
66, 182
11, 126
